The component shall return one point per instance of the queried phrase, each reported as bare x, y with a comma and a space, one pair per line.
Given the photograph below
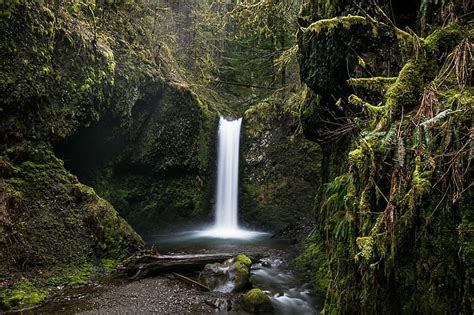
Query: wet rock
220, 304
233, 275
256, 302
266, 264
214, 275
242, 266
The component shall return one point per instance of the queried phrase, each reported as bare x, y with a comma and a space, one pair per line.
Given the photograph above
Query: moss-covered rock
44, 205
242, 266
49, 219
233, 275
256, 302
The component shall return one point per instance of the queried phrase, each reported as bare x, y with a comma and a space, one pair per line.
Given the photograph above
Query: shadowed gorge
236, 156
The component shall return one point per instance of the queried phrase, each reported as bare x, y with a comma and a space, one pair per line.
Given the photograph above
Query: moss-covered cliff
156, 170
280, 167
395, 216
82, 82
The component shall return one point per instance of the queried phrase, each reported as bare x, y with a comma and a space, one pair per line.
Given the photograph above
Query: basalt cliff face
280, 167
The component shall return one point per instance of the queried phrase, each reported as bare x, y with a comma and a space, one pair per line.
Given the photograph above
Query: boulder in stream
256, 302
233, 275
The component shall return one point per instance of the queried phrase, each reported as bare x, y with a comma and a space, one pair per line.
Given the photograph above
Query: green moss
244, 260
256, 297
443, 40
406, 91
421, 184
358, 102
256, 116
110, 264
405, 40
329, 24
242, 272
313, 262
34, 288
22, 295
377, 84
366, 246
257, 302
82, 275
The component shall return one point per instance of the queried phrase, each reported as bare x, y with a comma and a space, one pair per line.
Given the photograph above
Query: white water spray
227, 174
227, 192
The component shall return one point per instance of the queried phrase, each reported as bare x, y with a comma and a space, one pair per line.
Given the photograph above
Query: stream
167, 295
273, 274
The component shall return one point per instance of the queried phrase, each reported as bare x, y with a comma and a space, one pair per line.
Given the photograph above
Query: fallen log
147, 265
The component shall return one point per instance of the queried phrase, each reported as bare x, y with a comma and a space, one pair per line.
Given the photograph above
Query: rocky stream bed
169, 294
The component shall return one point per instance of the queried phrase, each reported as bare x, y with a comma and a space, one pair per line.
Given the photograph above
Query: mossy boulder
257, 302
233, 275
52, 226
50, 217
242, 266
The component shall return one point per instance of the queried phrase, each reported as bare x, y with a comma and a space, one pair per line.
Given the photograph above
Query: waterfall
226, 224
227, 174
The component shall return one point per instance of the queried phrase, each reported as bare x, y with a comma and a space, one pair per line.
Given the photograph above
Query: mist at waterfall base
225, 228
226, 208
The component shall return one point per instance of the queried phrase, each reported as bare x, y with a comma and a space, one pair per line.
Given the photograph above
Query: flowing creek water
273, 273
168, 295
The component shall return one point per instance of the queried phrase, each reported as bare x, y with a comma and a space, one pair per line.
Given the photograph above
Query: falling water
227, 174
226, 208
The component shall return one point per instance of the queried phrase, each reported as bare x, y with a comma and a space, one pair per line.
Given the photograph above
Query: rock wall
280, 168
156, 170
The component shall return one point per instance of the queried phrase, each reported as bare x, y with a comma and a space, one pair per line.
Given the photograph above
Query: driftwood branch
187, 279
